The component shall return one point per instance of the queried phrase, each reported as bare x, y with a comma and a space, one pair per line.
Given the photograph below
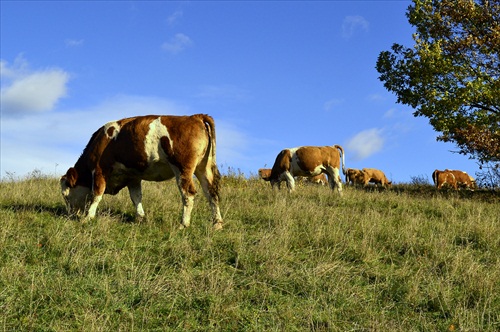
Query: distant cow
264, 173
354, 176
463, 179
365, 176
153, 148
320, 179
376, 176
308, 161
441, 178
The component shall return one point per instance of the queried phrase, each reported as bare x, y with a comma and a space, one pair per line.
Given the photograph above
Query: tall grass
407, 259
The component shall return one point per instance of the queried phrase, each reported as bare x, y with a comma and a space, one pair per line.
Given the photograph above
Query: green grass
406, 259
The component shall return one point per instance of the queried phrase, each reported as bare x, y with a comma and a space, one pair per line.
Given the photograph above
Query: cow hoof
181, 227
217, 226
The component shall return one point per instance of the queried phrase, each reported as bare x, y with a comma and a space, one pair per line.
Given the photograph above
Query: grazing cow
264, 173
354, 176
318, 179
153, 148
441, 178
321, 179
372, 175
463, 179
308, 161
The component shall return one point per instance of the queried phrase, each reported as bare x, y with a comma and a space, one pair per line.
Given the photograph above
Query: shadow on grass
59, 210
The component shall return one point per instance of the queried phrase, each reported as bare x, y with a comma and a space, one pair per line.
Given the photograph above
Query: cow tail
210, 128
343, 158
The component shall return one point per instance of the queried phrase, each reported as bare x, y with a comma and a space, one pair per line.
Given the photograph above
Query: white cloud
74, 42
351, 24
177, 43
52, 142
375, 97
366, 143
24, 92
173, 18
332, 103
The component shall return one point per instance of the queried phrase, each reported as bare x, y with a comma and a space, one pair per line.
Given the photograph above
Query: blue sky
273, 74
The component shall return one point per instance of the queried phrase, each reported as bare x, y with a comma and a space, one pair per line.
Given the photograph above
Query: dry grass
407, 259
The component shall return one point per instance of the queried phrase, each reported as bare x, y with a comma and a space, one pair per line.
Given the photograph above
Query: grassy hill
405, 259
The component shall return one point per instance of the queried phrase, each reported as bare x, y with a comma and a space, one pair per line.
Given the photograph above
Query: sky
272, 74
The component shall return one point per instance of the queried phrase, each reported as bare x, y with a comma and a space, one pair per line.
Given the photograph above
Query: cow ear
71, 177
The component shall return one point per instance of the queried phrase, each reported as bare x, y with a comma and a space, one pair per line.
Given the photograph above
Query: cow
264, 173
441, 178
122, 153
354, 176
308, 161
320, 179
376, 176
463, 179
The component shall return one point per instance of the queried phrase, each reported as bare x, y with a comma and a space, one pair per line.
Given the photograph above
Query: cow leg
333, 180
135, 191
290, 181
188, 191
210, 184
98, 188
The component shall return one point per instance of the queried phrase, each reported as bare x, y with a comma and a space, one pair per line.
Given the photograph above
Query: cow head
75, 196
265, 173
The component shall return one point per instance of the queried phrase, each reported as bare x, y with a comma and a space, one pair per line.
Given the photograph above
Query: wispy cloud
366, 143
375, 97
73, 42
351, 24
174, 17
177, 43
25, 92
332, 104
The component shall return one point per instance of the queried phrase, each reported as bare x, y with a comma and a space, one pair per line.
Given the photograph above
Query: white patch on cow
152, 145
116, 129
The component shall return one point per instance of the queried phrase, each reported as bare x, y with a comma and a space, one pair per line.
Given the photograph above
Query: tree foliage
452, 74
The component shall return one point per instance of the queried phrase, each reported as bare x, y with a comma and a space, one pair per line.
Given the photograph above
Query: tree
452, 75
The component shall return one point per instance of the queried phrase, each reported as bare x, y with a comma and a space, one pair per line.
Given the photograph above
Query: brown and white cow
308, 161
463, 179
153, 148
376, 176
442, 178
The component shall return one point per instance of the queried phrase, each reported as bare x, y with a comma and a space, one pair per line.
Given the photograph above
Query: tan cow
376, 176
354, 176
442, 178
264, 173
320, 179
153, 148
308, 161
462, 179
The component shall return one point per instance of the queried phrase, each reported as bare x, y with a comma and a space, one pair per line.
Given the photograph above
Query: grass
405, 259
